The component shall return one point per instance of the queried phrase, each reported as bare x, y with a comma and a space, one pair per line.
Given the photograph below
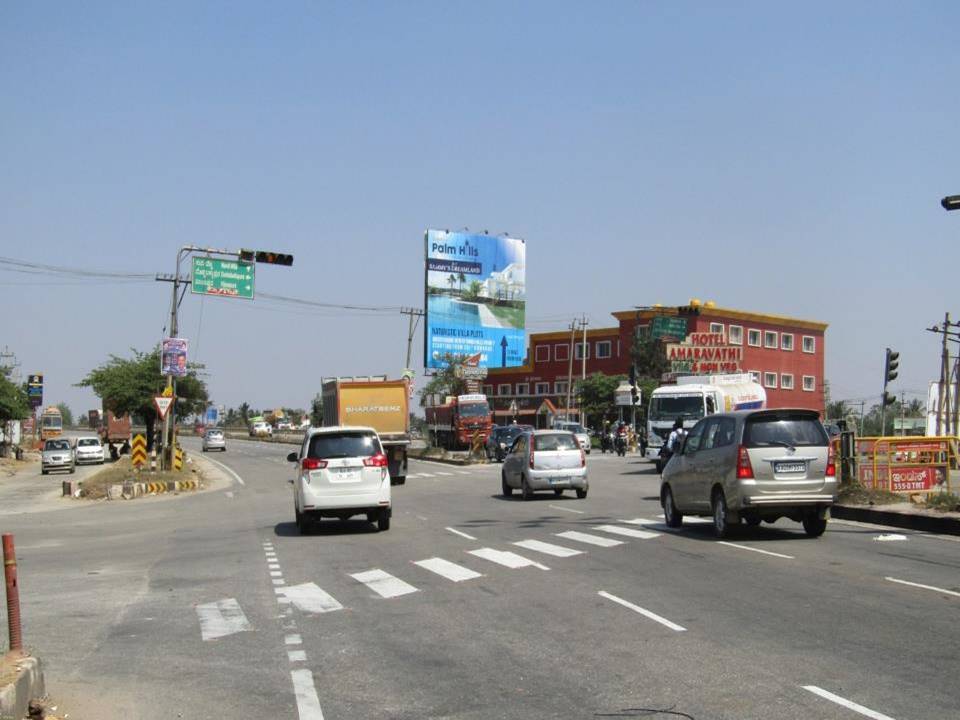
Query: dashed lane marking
849, 704
506, 558
384, 584
308, 704
589, 539
569, 510
756, 550
548, 548
646, 613
627, 532
447, 569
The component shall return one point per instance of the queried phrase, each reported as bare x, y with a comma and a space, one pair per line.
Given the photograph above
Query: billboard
173, 357
476, 297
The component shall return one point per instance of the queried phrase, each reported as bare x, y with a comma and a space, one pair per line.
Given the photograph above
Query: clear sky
775, 157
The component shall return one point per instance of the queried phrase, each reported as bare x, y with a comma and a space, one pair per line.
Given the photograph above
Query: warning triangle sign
162, 404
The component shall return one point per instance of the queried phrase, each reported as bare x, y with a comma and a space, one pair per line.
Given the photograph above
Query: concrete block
70, 487
115, 491
28, 685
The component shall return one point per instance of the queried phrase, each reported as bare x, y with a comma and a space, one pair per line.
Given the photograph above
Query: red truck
115, 430
453, 423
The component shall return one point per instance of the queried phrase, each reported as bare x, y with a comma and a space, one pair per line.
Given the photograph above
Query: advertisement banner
917, 479
704, 353
173, 357
475, 298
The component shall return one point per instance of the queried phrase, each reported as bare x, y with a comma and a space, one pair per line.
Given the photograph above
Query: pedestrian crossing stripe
384, 584
590, 539
627, 532
548, 548
449, 570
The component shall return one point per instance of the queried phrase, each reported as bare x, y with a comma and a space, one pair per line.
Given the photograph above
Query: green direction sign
225, 278
668, 327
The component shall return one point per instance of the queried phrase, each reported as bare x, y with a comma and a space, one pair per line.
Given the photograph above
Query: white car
341, 472
583, 437
89, 450
261, 428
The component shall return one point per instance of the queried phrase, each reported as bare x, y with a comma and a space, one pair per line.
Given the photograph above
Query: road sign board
162, 404
138, 451
224, 278
35, 390
668, 327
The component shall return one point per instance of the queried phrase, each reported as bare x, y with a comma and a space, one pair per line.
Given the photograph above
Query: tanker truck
694, 397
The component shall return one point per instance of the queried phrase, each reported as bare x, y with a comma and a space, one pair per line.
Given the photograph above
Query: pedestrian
673, 441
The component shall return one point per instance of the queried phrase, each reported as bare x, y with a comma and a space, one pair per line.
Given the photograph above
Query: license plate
559, 481
789, 467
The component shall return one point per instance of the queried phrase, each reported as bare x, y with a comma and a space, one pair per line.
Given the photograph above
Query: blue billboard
476, 298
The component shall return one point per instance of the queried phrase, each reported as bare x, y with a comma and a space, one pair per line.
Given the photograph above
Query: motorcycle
606, 442
620, 444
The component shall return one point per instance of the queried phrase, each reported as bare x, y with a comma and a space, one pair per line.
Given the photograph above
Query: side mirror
293, 457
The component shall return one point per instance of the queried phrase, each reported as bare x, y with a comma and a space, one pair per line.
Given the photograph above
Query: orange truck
457, 420
378, 403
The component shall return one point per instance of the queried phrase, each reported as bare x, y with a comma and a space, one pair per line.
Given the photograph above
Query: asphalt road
212, 606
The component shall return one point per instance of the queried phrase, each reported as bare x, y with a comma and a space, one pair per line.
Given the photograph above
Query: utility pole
415, 315
583, 369
573, 330
945, 419
903, 402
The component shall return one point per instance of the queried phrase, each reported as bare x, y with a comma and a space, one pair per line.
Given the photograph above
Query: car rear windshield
556, 441
340, 445
784, 430
87, 442
214, 433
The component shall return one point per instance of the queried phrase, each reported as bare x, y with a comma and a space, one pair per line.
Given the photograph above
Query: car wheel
558, 492
383, 521
72, 469
44, 472
672, 516
721, 526
203, 449
525, 488
506, 489
581, 494
814, 525
303, 525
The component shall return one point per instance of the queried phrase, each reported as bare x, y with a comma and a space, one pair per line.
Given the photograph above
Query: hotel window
736, 335
770, 380
786, 341
753, 338
560, 387
503, 389
786, 382
809, 344
809, 383
770, 339
488, 390
543, 388
604, 349
716, 328
543, 353
578, 351
523, 388
561, 352
755, 376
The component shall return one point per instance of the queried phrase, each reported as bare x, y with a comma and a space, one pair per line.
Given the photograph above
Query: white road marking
641, 522
309, 598
890, 537
506, 558
569, 510
426, 475
850, 705
293, 639
276, 573
756, 550
228, 494
692, 520
228, 470
589, 539
412, 475
447, 569
642, 611
627, 532
273, 565
297, 655
461, 534
308, 704
461, 472
446, 474
548, 548
924, 587
384, 584
279, 581
221, 618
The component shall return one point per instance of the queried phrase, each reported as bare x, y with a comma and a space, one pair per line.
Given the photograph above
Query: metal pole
13, 593
583, 371
573, 330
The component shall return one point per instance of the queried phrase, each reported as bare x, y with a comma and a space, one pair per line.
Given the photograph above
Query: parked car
57, 455
752, 465
341, 472
583, 435
261, 428
284, 425
88, 450
214, 439
545, 460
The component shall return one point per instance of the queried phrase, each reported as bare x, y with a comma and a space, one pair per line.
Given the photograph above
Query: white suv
341, 472
261, 429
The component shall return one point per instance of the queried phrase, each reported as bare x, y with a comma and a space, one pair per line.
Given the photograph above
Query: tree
649, 357
316, 411
14, 404
596, 394
244, 410
461, 278
445, 380
128, 385
66, 414
837, 410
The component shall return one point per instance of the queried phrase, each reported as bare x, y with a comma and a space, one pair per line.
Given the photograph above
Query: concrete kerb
131, 489
27, 686
922, 522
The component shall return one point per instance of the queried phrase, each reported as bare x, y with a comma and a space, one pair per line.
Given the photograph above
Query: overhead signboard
475, 298
668, 327
173, 357
223, 278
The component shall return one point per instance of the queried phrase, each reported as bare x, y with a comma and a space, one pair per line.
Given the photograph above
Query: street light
951, 202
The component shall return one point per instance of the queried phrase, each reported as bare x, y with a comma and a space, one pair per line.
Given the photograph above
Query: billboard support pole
573, 330
415, 315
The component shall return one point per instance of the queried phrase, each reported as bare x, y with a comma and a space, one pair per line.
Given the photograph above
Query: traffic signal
888, 399
266, 256
634, 397
890, 368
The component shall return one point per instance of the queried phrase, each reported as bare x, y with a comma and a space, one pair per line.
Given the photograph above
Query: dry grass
856, 494
96, 487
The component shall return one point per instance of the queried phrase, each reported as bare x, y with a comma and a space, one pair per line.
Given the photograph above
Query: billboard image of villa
475, 298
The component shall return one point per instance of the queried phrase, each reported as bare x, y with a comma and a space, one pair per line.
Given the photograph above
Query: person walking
673, 441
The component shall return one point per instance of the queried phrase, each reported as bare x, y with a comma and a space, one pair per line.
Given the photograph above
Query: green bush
944, 502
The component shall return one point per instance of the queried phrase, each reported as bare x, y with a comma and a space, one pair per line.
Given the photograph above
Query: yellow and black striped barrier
138, 451
178, 458
155, 487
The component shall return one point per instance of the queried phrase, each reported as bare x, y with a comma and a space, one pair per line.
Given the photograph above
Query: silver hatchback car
213, 439
752, 465
545, 460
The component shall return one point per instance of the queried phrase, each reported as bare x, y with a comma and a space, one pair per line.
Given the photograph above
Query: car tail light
744, 468
533, 446
831, 471
313, 464
583, 458
378, 460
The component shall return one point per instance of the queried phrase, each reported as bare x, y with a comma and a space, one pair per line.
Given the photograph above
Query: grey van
752, 465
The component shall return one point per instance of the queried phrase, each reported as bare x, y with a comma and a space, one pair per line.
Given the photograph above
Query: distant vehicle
284, 425
51, 423
694, 397
376, 402
583, 435
115, 430
214, 439
57, 455
454, 422
755, 465
261, 428
89, 450
93, 419
545, 460
502, 439
341, 472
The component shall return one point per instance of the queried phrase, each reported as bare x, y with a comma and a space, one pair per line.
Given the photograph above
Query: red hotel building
785, 355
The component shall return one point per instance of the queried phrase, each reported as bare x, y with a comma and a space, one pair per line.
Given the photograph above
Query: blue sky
769, 157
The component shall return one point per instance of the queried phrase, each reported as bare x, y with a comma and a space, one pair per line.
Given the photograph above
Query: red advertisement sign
870, 480
918, 447
917, 479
